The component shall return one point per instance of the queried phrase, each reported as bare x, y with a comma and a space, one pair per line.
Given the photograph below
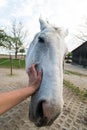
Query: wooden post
11, 64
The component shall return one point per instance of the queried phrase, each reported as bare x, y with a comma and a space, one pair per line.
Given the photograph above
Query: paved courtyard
73, 116
79, 79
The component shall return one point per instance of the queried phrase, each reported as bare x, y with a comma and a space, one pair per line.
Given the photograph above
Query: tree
3, 37
18, 35
16, 38
22, 50
14, 41
82, 32
6, 41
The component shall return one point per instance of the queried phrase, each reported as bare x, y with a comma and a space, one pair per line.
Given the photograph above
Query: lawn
16, 63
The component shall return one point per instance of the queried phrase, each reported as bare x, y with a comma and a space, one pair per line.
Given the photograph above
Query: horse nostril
46, 113
39, 111
42, 120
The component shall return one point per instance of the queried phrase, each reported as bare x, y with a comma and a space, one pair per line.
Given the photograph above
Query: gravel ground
78, 80
73, 116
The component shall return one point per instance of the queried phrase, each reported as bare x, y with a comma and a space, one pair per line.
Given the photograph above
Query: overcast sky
66, 13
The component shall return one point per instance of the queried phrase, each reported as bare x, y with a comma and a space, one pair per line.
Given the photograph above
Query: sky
65, 13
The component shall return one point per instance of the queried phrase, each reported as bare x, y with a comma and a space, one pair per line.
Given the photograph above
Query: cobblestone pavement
73, 116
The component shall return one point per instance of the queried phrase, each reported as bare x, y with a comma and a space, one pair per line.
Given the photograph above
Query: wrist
32, 89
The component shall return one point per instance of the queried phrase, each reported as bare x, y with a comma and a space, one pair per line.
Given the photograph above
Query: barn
79, 55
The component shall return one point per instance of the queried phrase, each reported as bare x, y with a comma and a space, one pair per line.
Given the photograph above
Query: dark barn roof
79, 55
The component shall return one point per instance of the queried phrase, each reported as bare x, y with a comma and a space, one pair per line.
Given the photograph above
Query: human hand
34, 77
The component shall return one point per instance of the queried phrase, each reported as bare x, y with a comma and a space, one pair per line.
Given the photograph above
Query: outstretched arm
12, 98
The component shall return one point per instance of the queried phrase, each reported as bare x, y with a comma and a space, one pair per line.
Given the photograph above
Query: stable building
79, 55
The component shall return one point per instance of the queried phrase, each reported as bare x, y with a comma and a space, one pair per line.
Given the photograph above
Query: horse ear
66, 32
43, 24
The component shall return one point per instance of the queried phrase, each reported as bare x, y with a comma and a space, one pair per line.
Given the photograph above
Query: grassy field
16, 63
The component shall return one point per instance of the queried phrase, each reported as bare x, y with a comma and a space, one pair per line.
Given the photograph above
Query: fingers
40, 73
32, 70
39, 78
33, 67
35, 77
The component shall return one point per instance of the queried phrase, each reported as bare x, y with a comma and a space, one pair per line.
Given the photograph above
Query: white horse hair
47, 50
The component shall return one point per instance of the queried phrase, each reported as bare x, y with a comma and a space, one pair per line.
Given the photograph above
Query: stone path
73, 117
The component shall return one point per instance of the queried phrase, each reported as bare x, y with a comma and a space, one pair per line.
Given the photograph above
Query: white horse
47, 50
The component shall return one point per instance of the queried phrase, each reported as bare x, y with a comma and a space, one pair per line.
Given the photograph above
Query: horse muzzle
45, 113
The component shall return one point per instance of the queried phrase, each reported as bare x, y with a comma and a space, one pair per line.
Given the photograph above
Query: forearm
11, 99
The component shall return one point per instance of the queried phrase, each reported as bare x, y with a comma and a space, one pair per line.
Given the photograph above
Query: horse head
47, 50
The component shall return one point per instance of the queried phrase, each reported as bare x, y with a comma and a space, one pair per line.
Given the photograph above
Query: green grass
75, 89
16, 63
74, 73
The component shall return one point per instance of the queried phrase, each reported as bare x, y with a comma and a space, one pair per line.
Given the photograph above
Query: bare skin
10, 99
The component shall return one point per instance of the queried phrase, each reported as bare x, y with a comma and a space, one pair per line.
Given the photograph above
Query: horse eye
55, 28
41, 39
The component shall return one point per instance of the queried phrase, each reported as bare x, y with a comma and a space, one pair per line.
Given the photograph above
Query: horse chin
42, 122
